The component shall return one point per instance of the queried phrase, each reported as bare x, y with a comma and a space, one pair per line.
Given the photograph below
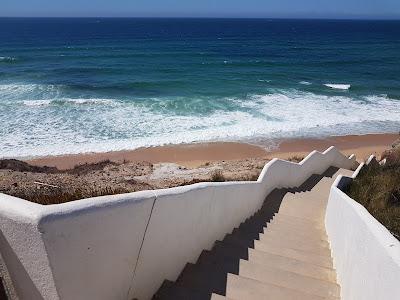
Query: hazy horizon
274, 9
349, 18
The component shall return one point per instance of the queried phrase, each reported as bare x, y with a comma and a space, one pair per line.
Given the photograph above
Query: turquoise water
81, 85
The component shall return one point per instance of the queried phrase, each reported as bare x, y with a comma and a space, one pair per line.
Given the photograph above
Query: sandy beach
195, 155
58, 179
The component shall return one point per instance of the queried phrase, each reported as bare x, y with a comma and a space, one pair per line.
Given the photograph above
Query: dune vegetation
377, 188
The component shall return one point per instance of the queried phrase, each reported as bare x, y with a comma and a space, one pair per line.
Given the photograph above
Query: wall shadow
24, 282
209, 274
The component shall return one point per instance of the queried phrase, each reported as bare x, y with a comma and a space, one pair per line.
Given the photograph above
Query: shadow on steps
209, 274
3, 295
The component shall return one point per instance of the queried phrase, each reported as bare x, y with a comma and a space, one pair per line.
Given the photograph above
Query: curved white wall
23, 249
124, 246
366, 256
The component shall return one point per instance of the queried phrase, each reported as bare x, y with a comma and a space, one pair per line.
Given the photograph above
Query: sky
347, 9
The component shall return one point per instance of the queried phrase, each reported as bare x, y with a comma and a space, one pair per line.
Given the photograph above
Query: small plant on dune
296, 158
217, 176
254, 177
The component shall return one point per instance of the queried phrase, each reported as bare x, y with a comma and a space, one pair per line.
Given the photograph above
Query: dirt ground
48, 185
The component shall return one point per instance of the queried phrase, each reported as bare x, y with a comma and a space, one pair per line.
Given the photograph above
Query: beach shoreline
197, 154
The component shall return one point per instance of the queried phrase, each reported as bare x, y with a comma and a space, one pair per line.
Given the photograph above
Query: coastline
195, 155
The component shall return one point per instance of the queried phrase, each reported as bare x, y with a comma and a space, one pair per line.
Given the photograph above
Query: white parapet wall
125, 246
366, 256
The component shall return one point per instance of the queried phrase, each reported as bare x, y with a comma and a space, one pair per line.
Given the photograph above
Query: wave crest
338, 86
7, 59
113, 124
68, 101
29, 91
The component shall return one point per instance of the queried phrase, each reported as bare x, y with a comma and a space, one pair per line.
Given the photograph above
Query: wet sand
360, 145
194, 155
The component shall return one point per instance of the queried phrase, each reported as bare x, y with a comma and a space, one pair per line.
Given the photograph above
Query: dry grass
392, 157
60, 196
377, 188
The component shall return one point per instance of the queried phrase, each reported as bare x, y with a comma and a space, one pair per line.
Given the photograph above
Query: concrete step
230, 250
292, 265
285, 231
282, 217
306, 204
298, 220
170, 291
239, 240
345, 172
251, 226
244, 234
305, 256
252, 234
288, 279
293, 237
310, 199
308, 213
224, 263
321, 186
239, 288
298, 245
203, 279
296, 227
305, 197
219, 297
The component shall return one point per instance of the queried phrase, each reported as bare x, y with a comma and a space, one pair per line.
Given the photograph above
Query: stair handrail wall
365, 254
124, 246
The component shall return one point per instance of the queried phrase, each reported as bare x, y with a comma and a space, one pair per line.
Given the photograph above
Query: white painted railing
366, 256
124, 246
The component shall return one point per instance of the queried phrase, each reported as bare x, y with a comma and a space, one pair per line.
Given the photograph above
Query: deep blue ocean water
79, 85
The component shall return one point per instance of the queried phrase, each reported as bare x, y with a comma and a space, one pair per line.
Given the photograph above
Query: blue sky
204, 8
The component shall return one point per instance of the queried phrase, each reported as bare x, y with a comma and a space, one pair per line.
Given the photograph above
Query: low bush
296, 158
217, 176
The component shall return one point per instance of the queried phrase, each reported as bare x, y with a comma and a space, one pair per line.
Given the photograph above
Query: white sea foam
305, 83
36, 102
64, 101
29, 91
88, 101
44, 95
7, 58
130, 125
338, 86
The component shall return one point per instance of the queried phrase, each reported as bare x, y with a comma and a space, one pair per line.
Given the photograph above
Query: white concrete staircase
286, 257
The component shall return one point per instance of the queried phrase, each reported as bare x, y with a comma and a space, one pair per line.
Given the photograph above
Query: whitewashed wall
124, 246
366, 256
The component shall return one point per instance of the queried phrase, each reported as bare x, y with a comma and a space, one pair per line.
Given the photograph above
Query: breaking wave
99, 125
338, 86
67, 101
7, 59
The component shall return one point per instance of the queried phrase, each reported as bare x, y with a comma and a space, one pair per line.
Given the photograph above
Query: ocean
101, 84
